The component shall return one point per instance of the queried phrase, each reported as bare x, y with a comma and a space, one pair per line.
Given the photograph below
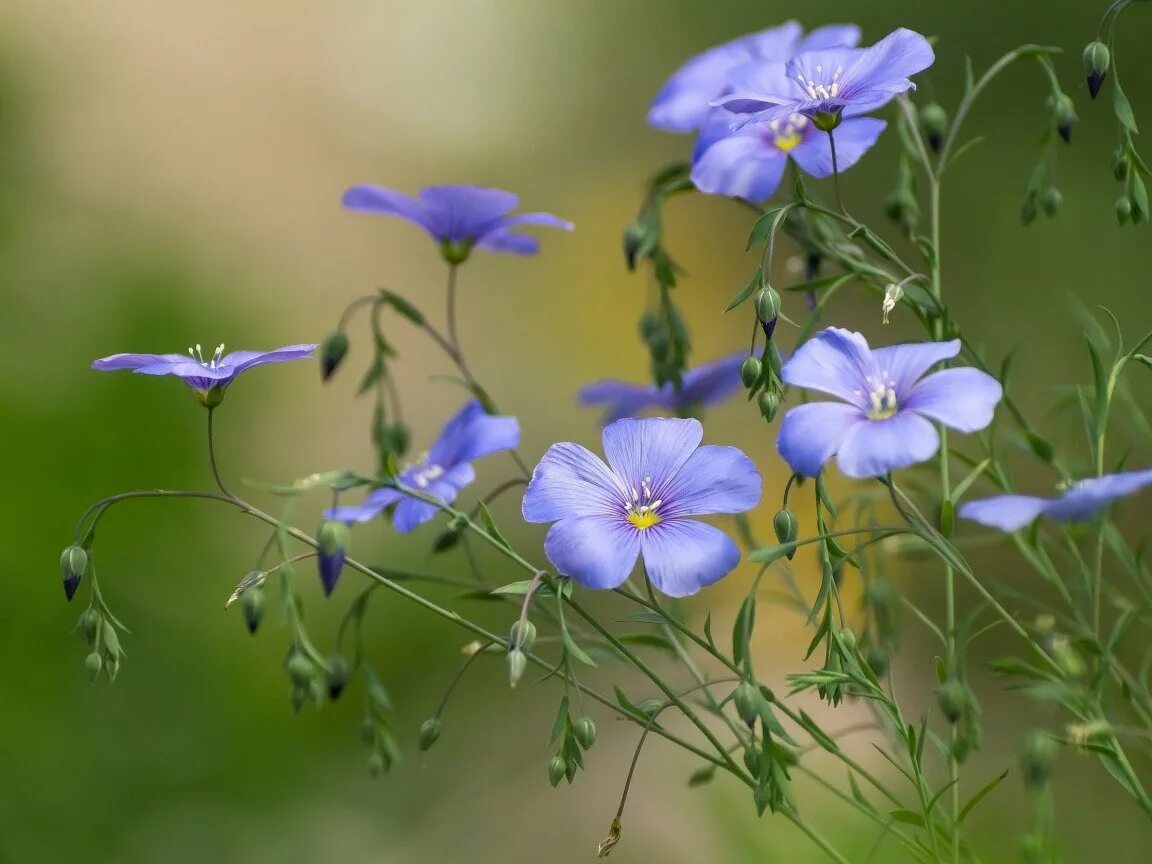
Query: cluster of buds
574, 737
761, 375
99, 631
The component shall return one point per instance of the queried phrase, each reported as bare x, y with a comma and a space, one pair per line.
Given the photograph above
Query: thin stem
212, 458
453, 334
836, 174
460, 674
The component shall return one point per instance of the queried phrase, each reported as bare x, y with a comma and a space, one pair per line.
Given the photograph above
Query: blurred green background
170, 173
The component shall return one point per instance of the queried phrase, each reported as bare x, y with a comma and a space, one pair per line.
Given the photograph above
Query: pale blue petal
1087, 497
464, 213
386, 202
597, 551
740, 166
875, 447
473, 433
623, 399
904, 365
1006, 512
509, 242
116, 362
241, 360
854, 137
369, 509
715, 479
654, 447
962, 399
811, 434
713, 382
571, 480
682, 556
830, 36
835, 361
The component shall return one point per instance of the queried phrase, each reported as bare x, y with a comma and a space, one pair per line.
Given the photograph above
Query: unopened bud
786, 525
1064, 113
522, 638
332, 539
769, 404
429, 733
1097, 59
892, 295
93, 663
73, 566
585, 731
375, 763
1028, 210
750, 371
747, 700
517, 663
332, 351
634, 237
1037, 758
336, 676
299, 669
768, 304
252, 604
934, 125
557, 768
1050, 200
1120, 164
953, 700
752, 761
1123, 210
89, 624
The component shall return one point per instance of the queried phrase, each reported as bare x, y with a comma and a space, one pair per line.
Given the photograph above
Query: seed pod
1120, 165
557, 769
299, 669
585, 731
1064, 113
750, 371
429, 733
73, 566
769, 404
1050, 200
93, 663
332, 352
634, 238
1123, 210
89, 624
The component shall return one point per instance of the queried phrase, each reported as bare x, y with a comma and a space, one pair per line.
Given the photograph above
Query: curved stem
460, 674
212, 459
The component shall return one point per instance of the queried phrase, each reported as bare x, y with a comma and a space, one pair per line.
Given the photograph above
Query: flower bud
585, 731
332, 538
522, 640
934, 125
768, 304
1050, 200
953, 699
1037, 757
1123, 210
1028, 210
1064, 113
786, 525
299, 669
634, 237
375, 763
1097, 59
89, 624
769, 404
517, 663
73, 566
252, 604
336, 676
750, 371
93, 663
429, 733
747, 700
752, 761
1120, 164
557, 768
332, 351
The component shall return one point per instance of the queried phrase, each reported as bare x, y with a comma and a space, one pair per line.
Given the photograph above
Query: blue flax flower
683, 102
460, 218
707, 384
1079, 502
640, 503
442, 472
883, 420
208, 377
831, 82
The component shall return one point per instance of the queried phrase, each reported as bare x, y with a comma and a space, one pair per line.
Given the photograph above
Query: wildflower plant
924, 432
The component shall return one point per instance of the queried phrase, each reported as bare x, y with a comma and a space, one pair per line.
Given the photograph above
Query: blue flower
460, 218
640, 503
1079, 502
883, 420
208, 378
707, 384
682, 104
831, 82
442, 473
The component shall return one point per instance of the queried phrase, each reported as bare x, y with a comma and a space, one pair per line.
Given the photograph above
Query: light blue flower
1078, 502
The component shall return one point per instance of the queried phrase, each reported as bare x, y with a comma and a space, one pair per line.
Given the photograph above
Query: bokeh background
170, 173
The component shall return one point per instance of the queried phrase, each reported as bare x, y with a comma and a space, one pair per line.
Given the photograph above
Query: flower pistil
640, 511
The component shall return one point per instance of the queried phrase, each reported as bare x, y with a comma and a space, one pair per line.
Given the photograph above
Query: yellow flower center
788, 132
640, 511
882, 398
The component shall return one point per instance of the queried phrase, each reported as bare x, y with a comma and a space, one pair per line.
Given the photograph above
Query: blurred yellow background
170, 173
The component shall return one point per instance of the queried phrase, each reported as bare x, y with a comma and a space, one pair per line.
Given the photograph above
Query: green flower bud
635, 236
826, 121
523, 640
1123, 210
252, 604
953, 699
1064, 113
585, 731
1120, 164
375, 763
73, 566
651, 707
1028, 210
337, 676
752, 761
455, 252
89, 624
747, 700
1050, 200
1037, 757
332, 351
299, 669
368, 731
557, 768
769, 404
934, 125
517, 663
429, 733
1097, 59
93, 663
750, 371
768, 304
786, 525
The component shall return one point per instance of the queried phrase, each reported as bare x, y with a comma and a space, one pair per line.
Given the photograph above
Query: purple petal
1088, 496
712, 382
571, 480
654, 447
369, 509
854, 137
473, 433
411, 513
835, 361
1006, 512
875, 447
386, 202
882, 71
811, 434
830, 36
509, 242
116, 362
962, 399
545, 219
904, 365
623, 399
682, 556
241, 360
713, 480
464, 213
740, 166
596, 551
189, 370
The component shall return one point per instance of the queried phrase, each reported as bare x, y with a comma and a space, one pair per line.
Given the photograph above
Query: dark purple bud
1097, 59
934, 125
252, 603
332, 352
332, 540
769, 327
73, 566
337, 676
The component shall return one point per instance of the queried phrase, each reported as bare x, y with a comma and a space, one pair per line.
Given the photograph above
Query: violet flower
459, 218
640, 503
442, 473
884, 419
682, 104
209, 378
1078, 502
707, 384
838, 81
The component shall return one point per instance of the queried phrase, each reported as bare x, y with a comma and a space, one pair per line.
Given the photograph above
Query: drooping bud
752, 761
1123, 210
337, 675
252, 604
1097, 59
517, 663
934, 125
1120, 164
522, 639
429, 733
634, 238
953, 700
585, 731
73, 566
750, 371
747, 700
768, 304
786, 525
89, 624
1028, 210
332, 539
557, 768
299, 669
1064, 113
1037, 758
1050, 200
93, 663
332, 351
769, 404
